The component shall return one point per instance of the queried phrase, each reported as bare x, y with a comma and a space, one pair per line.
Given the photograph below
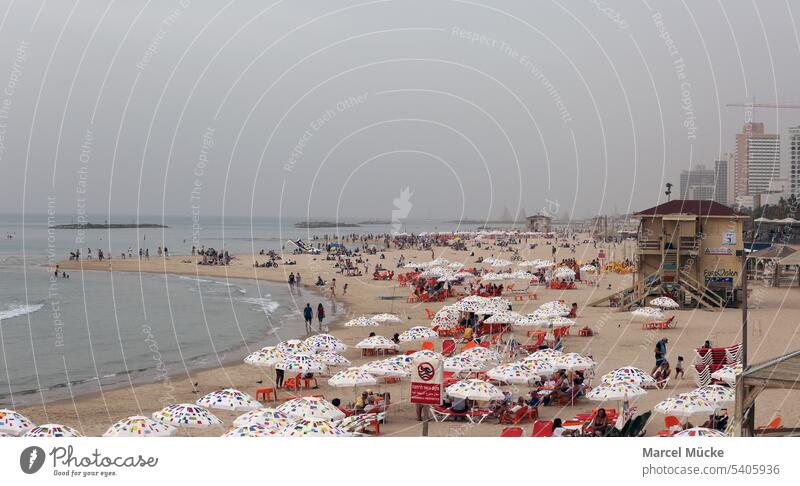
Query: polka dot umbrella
402, 359
301, 364
548, 353
139, 426
728, 374
482, 354
620, 391
312, 428
505, 317
14, 422
573, 362
542, 367
631, 375
352, 377
648, 313
325, 342
265, 417
310, 408
474, 389
376, 342
186, 415
699, 432
512, 373
362, 321
554, 308
418, 333
229, 399
332, 359
294, 347
464, 364
387, 368
446, 317
684, 405
266, 357
52, 430
426, 354
386, 318
252, 430
717, 395
664, 303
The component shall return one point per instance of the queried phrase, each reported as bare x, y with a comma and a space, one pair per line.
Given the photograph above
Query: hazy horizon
332, 109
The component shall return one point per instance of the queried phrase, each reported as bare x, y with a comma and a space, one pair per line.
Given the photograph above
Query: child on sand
679, 367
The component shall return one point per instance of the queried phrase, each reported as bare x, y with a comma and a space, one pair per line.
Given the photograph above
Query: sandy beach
617, 341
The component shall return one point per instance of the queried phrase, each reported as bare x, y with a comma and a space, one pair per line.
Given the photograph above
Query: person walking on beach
320, 315
278, 378
661, 353
308, 314
344, 289
333, 288
291, 280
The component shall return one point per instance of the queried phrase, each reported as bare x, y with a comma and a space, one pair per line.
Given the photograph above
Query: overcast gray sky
333, 107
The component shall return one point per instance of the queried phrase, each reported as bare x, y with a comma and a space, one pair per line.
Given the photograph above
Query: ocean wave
15, 310
199, 281
267, 305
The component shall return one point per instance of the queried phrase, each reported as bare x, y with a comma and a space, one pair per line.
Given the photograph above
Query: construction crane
753, 105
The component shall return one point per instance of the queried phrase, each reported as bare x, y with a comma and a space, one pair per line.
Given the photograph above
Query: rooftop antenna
668, 192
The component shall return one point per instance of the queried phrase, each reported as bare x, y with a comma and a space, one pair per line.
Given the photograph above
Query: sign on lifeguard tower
427, 376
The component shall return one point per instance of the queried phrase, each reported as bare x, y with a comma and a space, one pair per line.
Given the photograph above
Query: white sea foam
14, 310
267, 305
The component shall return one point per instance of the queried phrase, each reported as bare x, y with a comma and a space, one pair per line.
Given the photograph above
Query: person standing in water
308, 314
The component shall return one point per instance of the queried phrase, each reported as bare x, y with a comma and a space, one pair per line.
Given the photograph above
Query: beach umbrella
520, 275
139, 426
716, 395
402, 359
229, 399
505, 317
387, 368
252, 430
386, 318
362, 321
446, 317
357, 423
620, 391
648, 313
545, 264
545, 354
474, 389
266, 417
684, 405
332, 359
418, 333
293, 347
435, 272
728, 374
541, 367
493, 277
412, 265
186, 415
498, 262
630, 375
664, 303
310, 408
301, 364
463, 364
573, 362
352, 377
325, 342
699, 432
559, 321
588, 269
266, 357
425, 354
376, 342
551, 309
14, 422
482, 354
52, 430
564, 273
513, 373
456, 265
312, 428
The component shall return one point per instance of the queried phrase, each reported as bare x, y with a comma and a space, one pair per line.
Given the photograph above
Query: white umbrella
716, 395
699, 432
542, 367
475, 390
630, 375
418, 333
505, 317
266, 417
446, 317
728, 374
425, 354
186, 415
229, 399
482, 354
684, 405
301, 364
139, 426
312, 428
14, 422
553, 309
376, 342
52, 430
573, 362
310, 408
325, 342
362, 321
564, 273
293, 347
615, 392
388, 368
648, 313
332, 359
386, 318
463, 364
664, 303
352, 377
265, 357
252, 430
513, 373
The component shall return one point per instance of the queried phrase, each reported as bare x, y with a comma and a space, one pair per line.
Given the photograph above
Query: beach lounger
671, 425
440, 414
542, 428
666, 324
512, 432
429, 313
774, 424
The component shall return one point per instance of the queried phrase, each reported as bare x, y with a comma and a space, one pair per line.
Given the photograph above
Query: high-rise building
698, 183
723, 178
758, 160
794, 161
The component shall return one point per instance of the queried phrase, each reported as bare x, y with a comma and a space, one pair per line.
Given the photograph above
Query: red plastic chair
428, 345
542, 428
512, 432
448, 347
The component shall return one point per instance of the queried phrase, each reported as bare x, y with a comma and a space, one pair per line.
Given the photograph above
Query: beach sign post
427, 377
